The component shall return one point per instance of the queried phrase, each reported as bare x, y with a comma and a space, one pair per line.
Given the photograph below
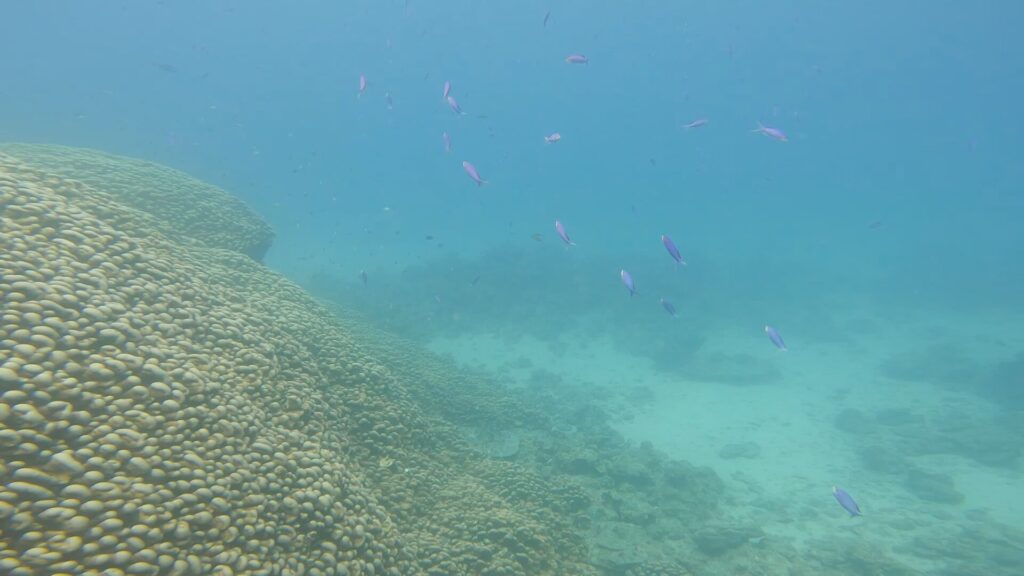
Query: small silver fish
627, 280
552, 138
668, 307
696, 123
577, 59
560, 229
775, 337
473, 173
454, 105
362, 84
447, 141
672, 250
447, 90
773, 133
846, 501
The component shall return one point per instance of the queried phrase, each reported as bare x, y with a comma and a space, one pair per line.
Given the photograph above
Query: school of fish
842, 497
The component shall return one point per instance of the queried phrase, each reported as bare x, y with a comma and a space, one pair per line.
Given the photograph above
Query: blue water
892, 215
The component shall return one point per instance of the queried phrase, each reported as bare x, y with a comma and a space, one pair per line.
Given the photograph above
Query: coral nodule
170, 406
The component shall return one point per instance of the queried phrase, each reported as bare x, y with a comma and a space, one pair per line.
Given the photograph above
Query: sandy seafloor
786, 489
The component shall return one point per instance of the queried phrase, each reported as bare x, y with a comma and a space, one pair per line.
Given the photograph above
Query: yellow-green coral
171, 407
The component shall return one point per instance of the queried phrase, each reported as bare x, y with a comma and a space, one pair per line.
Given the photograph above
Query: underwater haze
840, 341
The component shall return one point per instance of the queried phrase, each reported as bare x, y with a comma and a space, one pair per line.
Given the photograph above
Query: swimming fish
447, 90
672, 250
627, 280
362, 276
388, 100
537, 237
696, 123
775, 337
576, 59
362, 84
668, 307
547, 16
447, 140
454, 105
562, 234
552, 138
846, 501
773, 133
471, 170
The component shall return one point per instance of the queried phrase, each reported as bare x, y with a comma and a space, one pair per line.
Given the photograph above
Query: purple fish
668, 307
562, 234
846, 501
696, 123
454, 105
447, 90
471, 170
672, 250
773, 133
628, 281
775, 337
577, 59
447, 141
362, 84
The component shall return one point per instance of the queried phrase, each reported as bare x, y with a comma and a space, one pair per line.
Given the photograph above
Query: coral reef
169, 406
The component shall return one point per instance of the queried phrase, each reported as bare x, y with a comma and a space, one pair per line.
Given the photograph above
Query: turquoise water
883, 239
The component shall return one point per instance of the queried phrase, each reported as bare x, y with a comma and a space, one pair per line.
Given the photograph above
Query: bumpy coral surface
169, 406
185, 209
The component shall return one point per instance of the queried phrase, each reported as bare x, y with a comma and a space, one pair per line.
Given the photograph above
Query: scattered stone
719, 539
933, 487
853, 421
740, 450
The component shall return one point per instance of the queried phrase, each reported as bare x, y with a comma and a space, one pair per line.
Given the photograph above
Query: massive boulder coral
184, 209
169, 406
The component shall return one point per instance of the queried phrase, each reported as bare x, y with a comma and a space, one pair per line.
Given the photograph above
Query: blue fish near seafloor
627, 280
668, 307
563, 234
775, 337
846, 501
673, 251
